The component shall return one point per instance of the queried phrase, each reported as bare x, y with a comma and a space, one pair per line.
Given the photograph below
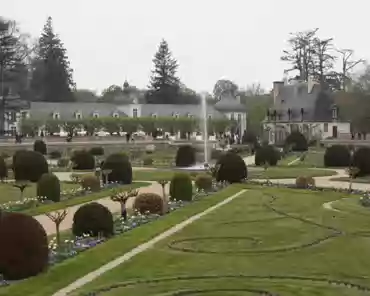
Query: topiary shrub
231, 168
24, 248
93, 219
149, 203
3, 169
203, 182
120, 166
148, 161
40, 146
297, 141
361, 160
216, 154
181, 187
96, 151
29, 165
185, 156
55, 154
266, 154
337, 156
303, 182
49, 187
83, 160
90, 182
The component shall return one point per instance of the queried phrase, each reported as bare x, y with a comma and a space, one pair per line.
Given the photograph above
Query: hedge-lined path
114, 207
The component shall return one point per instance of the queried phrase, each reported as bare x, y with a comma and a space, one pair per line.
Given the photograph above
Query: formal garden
267, 238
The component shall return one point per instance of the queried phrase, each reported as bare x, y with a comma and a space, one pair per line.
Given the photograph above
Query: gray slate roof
164, 110
229, 103
317, 105
67, 111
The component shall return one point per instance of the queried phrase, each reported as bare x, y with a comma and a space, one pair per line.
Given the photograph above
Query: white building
303, 106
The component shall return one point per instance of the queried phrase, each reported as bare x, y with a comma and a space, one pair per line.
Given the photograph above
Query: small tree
21, 185
122, 198
163, 184
57, 218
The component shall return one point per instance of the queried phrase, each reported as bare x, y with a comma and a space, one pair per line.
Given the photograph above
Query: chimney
310, 84
277, 85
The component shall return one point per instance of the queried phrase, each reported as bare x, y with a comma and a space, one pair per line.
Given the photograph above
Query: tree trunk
57, 226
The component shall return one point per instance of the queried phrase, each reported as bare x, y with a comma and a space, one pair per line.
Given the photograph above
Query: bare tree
254, 89
122, 197
57, 218
348, 64
300, 53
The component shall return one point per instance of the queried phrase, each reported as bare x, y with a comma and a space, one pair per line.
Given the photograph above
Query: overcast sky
241, 40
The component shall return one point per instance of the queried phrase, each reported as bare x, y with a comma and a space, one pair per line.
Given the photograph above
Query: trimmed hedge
24, 248
361, 160
303, 182
97, 151
231, 168
90, 182
40, 146
149, 203
337, 156
29, 165
185, 156
55, 154
181, 187
120, 166
49, 186
297, 141
266, 154
83, 160
203, 182
93, 219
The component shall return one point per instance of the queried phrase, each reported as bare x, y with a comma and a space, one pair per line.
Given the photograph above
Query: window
24, 114
209, 116
134, 113
96, 115
335, 112
115, 115
232, 116
56, 115
326, 127
176, 115
239, 117
78, 115
154, 115
189, 115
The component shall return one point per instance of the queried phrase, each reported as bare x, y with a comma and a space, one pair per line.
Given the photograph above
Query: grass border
79, 200
63, 274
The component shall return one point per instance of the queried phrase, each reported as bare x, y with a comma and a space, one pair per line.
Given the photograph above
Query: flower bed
74, 246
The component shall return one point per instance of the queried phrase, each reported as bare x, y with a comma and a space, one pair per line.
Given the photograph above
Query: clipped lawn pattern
270, 241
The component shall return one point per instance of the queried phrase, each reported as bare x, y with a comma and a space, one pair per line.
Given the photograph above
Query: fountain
205, 165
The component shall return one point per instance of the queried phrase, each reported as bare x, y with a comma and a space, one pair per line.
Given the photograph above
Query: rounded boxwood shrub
181, 187
49, 187
297, 141
203, 182
337, 156
361, 160
120, 166
3, 169
303, 182
93, 219
185, 156
40, 146
29, 165
266, 154
90, 182
231, 168
83, 160
149, 203
55, 154
148, 161
97, 151
24, 246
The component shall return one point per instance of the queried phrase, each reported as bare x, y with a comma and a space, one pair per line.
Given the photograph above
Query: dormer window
209, 116
176, 115
115, 115
154, 115
334, 113
134, 113
96, 115
56, 115
190, 115
78, 115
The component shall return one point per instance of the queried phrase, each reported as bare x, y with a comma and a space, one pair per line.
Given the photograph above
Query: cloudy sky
242, 40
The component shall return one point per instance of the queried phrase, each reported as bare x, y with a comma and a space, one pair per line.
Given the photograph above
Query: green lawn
68, 271
314, 158
289, 172
10, 193
286, 246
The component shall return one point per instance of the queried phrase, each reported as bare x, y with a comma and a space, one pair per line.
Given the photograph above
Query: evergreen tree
52, 77
164, 84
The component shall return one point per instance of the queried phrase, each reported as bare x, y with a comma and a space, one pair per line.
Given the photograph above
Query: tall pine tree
52, 77
164, 84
